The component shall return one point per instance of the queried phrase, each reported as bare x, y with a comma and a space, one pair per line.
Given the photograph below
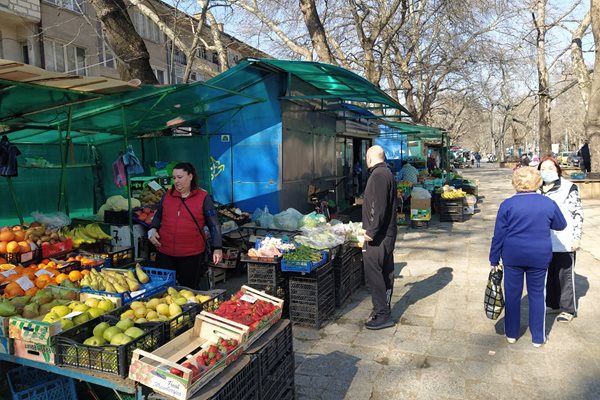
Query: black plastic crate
146, 249
242, 386
289, 393
272, 347
274, 385
280, 291
27, 383
452, 217
70, 350
266, 275
358, 272
343, 290
116, 217
312, 297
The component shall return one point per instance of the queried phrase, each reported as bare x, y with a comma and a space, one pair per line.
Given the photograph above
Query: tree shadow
421, 290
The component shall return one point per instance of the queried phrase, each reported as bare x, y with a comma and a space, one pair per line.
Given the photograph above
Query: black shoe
379, 323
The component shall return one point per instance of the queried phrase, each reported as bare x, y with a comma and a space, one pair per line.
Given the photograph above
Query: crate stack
343, 275
312, 296
273, 356
267, 276
451, 210
358, 272
30, 383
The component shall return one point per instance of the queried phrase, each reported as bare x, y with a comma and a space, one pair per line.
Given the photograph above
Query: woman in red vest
178, 228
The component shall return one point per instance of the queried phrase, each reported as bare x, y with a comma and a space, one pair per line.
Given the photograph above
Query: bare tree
592, 120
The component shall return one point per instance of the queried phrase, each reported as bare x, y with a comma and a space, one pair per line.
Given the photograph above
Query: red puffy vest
179, 236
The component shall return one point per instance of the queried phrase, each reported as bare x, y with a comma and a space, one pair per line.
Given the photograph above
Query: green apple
94, 341
124, 324
120, 339
106, 305
100, 328
110, 332
134, 332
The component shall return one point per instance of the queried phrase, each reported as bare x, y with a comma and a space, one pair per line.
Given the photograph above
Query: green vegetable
303, 253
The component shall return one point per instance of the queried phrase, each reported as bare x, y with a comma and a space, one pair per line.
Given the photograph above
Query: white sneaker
537, 344
511, 340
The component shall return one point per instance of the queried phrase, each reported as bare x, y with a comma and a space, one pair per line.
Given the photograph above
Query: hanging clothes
119, 173
133, 164
8, 158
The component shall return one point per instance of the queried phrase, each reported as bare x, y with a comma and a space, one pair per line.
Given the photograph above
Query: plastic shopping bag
493, 301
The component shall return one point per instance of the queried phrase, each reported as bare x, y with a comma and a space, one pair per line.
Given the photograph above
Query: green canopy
333, 82
132, 113
414, 131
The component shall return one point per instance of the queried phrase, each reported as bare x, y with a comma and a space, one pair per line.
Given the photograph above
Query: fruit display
88, 234
115, 281
303, 253
16, 280
208, 358
449, 193
117, 334
149, 197
144, 215
251, 308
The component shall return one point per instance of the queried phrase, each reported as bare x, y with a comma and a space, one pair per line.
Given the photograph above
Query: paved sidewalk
443, 346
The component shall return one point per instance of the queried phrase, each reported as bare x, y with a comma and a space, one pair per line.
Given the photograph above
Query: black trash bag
493, 301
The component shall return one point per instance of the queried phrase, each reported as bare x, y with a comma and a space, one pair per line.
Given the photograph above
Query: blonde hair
526, 179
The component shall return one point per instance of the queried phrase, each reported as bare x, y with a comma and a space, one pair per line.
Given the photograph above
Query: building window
160, 75
201, 52
215, 58
64, 58
193, 77
1, 46
73, 5
24, 52
179, 56
105, 55
147, 28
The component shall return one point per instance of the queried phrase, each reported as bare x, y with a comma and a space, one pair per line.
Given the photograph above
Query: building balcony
27, 9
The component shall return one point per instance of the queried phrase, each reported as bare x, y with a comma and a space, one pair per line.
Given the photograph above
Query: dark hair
558, 168
404, 162
189, 168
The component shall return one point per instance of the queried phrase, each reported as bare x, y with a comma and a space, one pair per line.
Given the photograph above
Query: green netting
148, 109
332, 81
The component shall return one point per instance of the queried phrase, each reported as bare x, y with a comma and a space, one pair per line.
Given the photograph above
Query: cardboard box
420, 204
153, 369
33, 330
6, 345
420, 214
34, 351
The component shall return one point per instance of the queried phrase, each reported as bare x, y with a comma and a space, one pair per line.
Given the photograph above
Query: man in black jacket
379, 222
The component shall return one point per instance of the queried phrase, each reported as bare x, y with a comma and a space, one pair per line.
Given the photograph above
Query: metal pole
64, 172
11, 190
130, 211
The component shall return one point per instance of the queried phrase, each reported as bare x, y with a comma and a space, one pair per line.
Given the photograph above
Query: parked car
563, 157
574, 160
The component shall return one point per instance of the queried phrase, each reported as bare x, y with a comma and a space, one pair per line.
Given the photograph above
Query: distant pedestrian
584, 153
379, 222
522, 240
478, 160
560, 286
431, 164
358, 172
525, 160
408, 172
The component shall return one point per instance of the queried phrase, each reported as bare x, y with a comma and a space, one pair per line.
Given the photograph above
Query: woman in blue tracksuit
522, 240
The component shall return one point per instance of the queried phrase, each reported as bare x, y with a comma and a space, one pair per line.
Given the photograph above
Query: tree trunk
215, 31
579, 67
592, 120
124, 41
543, 82
316, 31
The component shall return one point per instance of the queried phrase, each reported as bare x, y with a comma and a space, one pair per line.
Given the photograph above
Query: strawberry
176, 371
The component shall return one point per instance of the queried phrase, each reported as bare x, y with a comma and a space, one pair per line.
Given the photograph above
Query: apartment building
66, 36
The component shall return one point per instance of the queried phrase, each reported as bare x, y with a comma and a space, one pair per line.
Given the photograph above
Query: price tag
249, 298
43, 272
154, 186
26, 256
137, 293
73, 314
8, 273
25, 283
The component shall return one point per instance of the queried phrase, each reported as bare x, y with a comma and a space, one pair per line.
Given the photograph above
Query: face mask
549, 176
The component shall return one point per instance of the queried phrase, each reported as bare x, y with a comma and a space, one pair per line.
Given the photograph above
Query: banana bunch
89, 233
453, 194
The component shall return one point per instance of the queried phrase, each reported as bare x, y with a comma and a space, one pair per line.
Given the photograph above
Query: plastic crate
303, 266
119, 257
358, 272
312, 297
243, 385
452, 217
281, 378
342, 272
23, 258
159, 279
116, 217
70, 350
266, 275
34, 384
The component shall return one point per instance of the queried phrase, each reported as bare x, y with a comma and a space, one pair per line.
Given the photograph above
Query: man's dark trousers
378, 261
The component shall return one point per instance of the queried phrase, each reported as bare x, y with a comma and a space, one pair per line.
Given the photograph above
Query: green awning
414, 131
331, 81
138, 112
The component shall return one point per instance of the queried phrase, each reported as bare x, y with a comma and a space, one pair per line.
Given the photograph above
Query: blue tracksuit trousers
536, 292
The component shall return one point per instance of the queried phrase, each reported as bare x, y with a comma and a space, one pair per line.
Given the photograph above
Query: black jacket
379, 204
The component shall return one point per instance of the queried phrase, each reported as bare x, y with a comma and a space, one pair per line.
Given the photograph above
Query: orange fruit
51, 264
13, 247
25, 247
42, 281
2, 260
61, 277
53, 271
18, 269
32, 291
85, 272
78, 258
74, 276
19, 235
3, 247
45, 261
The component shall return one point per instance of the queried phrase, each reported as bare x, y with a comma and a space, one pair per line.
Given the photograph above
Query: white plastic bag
288, 219
53, 220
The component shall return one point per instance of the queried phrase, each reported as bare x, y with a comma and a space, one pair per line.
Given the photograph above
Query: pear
92, 302
7, 309
132, 284
152, 315
20, 301
151, 304
128, 314
162, 309
124, 324
109, 287
106, 305
31, 311
134, 332
141, 275
140, 312
136, 304
181, 301
186, 293
95, 312
81, 318
61, 310
100, 328
174, 310
66, 323
119, 288
129, 274
172, 291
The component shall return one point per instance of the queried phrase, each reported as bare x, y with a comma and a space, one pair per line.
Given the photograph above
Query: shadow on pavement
421, 290
334, 371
